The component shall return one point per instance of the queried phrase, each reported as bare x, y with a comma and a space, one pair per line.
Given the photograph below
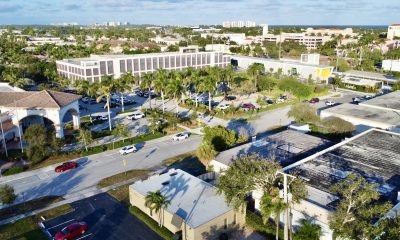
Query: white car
180, 136
329, 103
224, 106
127, 149
135, 116
104, 118
85, 99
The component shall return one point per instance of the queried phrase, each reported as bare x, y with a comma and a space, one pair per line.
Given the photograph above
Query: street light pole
286, 200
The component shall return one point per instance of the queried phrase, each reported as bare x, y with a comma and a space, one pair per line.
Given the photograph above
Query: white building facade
393, 31
391, 65
96, 66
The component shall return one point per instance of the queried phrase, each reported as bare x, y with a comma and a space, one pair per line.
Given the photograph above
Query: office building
373, 154
311, 42
289, 67
393, 31
330, 31
195, 208
96, 66
232, 24
371, 80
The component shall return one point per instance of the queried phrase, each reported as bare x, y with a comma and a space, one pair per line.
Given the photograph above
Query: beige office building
195, 209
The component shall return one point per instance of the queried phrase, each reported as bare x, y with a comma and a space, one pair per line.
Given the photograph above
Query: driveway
107, 219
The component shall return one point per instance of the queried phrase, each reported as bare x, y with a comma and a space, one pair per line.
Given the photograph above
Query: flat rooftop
390, 101
366, 113
371, 75
374, 154
192, 199
285, 147
284, 61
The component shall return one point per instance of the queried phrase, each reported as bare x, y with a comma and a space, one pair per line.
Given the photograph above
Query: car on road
103, 118
127, 149
135, 116
229, 98
223, 106
368, 97
247, 106
66, 166
329, 103
356, 100
72, 231
314, 100
180, 136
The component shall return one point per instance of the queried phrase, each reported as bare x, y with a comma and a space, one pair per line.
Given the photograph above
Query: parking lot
106, 218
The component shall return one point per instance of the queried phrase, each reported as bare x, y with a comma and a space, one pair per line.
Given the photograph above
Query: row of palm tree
170, 84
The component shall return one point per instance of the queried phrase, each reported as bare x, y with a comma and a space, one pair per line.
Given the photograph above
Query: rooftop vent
173, 174
165, 183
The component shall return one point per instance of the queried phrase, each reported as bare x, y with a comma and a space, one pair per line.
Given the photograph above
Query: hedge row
256, 222
163, 232
119, 144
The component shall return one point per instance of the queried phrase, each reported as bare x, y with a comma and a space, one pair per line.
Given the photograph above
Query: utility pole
4, 139
286, 200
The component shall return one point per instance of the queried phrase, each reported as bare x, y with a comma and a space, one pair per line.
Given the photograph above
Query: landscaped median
28, 228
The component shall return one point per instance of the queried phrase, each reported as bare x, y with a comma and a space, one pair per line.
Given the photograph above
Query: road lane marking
84, 236
61, 224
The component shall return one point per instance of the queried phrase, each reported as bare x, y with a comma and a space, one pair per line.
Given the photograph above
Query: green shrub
256, 222
14, 170
162, 232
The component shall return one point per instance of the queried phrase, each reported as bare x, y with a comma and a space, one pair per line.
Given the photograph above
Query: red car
314, 100
66, 166
248, 106
72, 231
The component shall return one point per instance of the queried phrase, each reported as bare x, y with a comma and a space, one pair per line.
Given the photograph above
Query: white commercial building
239, 38
40, 41
96, 66
391, 65
311, 42
231, 24
393, 31
303, 69
330, 31
368, 79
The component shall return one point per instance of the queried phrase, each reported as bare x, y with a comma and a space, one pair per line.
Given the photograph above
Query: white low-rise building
391, 65
393, 31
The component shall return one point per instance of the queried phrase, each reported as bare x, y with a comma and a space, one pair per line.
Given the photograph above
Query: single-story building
196, 209
368, 79
373, 154
380, 112
39, 107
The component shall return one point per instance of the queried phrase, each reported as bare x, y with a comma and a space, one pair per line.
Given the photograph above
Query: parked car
314, 100
248, 106
66, 166
213, 103
103, 118
229, 98
135, 116
127, 149
180, 136
356, 100
85, 99
223, 106
282, 99
368, 96
329, 103
72, 231
268, 100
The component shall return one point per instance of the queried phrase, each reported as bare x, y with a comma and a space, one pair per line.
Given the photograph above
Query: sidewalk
76, 196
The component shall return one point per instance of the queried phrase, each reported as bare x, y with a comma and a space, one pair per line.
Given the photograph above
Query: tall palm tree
271, 204
121, 85
208, 84
196, 81
147, 83
160, 83
229, 74
157, 202
175, 90
105, 89
255, 70
89, 90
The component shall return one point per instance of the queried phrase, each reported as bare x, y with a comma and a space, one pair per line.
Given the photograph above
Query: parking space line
87, 235
61, 224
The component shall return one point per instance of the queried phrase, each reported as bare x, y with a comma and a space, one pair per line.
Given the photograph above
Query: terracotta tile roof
395, 25
41, 99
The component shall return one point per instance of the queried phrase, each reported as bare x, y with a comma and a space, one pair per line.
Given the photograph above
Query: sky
195, 12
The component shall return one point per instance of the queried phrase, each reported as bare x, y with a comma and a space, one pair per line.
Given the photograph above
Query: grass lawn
28, 206
28, 228
120, 177
187, 162
180, 158
121, 194
172, 130
126, 111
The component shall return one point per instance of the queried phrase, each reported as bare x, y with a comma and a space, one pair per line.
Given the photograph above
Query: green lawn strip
180, 158
162, 232
255, 222
28, 228
126, 111
54, 159
120, 177
121, 193
28, 206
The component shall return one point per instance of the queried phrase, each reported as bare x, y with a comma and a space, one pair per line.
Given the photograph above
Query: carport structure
40, 107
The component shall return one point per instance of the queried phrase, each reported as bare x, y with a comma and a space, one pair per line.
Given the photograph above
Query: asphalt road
106, 218
45, 181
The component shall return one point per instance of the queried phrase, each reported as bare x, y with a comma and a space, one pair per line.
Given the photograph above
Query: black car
213, 103
269, 101
229, 98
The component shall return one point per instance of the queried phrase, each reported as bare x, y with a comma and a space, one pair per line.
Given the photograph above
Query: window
148, 64
184, 61
129, 65
172, 61
193, 60
103, 69
142, 64
122, 66
178, 61
161, 62
198, 59
225, 223
167, 62
88, 72
155, 63
110, 67
136, 64
95, 71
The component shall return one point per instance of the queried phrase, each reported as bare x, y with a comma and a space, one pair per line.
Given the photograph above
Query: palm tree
121, 85
105, 89
208, 85
174, 89
146, 83
308, 230
88, 89
229, 74
157, 202
255, 70
271, 204
160, 82
196, 80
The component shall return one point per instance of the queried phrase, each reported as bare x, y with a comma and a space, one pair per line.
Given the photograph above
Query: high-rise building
264, 29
